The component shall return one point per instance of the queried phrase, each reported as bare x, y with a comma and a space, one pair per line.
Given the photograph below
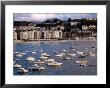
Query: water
69, 67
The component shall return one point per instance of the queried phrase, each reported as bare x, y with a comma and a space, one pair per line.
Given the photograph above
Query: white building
58, 34
30, 34
84, 27
14, 34
25, 35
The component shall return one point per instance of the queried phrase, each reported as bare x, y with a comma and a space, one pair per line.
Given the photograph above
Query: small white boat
60, 55
66, 58
92, 54
22, 71
82, 62
43, 57
17, 66
45, 54
36, 67
15, 52
49, 60
30, 58
19, 55
64, 51
80, 53
39, 62
33, 52
27, 51
55, 64
72, 54
23, 53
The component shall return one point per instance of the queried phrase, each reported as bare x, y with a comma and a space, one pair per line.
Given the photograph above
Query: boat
39, 62
43, 57
72, 54
55, 64
19, 55
45, 54
33, 52
82, 56
23, 53
27, 51
17, 66
82, 62
49, 60
66, 58
30, 58
35, 67
64, 51
15, 52
92, 54
22, 71
60, 55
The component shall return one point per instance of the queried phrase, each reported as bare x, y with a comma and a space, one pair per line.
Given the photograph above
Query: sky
44, 16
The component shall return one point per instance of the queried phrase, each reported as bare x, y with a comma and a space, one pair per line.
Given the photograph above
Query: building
14, 34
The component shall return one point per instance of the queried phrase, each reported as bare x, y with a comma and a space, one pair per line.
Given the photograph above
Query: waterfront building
25, 35
30, 34
37, 34
14, 34
84, 27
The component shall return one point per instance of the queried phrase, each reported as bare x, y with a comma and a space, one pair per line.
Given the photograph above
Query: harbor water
69, 67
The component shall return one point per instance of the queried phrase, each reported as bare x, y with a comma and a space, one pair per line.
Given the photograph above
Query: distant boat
30, 58
82, 62
60, 55
23, 53
39, 62
45, 55
92, 54
55, 64
17, 66
35, 67
66, 58
19, 55
72, 54
22, 71
33, 52
49, 60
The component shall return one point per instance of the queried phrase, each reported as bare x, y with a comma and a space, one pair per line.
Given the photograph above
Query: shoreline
21, 41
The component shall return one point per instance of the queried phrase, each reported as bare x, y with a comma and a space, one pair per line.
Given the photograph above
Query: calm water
69, 67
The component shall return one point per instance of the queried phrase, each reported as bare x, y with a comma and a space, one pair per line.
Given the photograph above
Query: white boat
49, 60
30, 58
60, 55
27, 51
19, 55
82, 63
22, 71
92, 54
55, 64
45, 54
17, 66
15, 52
64, 51
23, 53
33, 52
42, 57
66, 58
36, 67
72, 54
80, 53
39, 62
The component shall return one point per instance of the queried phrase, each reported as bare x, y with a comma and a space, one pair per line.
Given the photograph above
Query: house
14, 34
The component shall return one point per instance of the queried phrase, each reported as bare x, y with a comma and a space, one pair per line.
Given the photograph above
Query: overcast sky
43, 17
